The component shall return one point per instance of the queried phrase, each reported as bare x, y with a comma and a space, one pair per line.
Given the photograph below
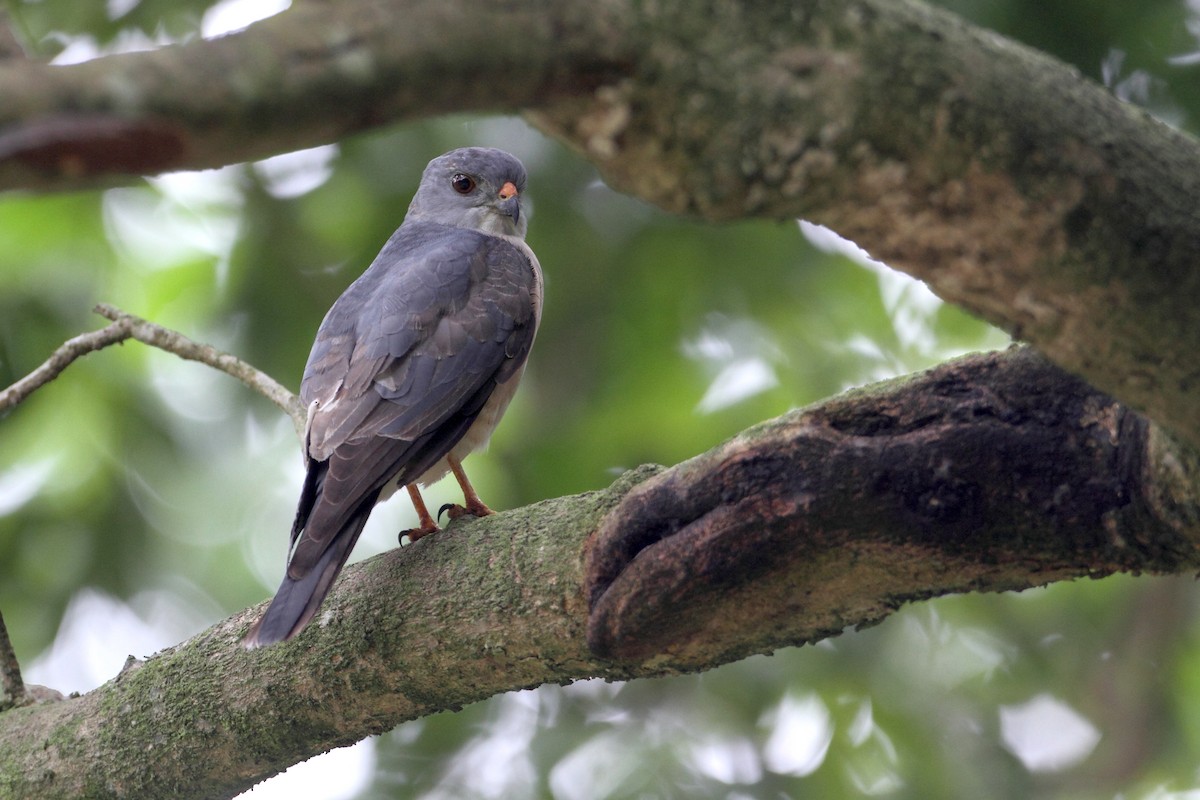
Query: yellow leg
471, 503
426, 522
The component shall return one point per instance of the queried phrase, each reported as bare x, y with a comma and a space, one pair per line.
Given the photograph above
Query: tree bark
1011, 185
990, 473
1014, 187
993, 472
308, 76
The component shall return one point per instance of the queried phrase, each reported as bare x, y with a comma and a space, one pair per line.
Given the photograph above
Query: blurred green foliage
170, 487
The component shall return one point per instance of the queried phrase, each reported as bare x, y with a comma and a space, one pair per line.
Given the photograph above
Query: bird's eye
463, 184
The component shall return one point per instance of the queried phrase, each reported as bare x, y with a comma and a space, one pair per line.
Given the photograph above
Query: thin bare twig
13, 691
127, 326
180, 345
12, 687
61, 358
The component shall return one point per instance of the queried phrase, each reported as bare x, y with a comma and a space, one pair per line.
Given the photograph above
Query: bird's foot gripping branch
993, 472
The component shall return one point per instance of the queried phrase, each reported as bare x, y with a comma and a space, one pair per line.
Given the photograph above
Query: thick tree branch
1012, 186
784, 535
127, 326
988, 473
998, 175
310, 75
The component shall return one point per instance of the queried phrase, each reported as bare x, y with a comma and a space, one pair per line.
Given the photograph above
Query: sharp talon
447, 507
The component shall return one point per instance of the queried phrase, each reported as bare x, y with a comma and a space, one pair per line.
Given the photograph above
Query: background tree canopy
143, 498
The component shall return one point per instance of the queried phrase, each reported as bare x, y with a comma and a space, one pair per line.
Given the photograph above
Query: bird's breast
480, 432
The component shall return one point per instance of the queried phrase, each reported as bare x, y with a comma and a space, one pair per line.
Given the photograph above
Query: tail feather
297, 600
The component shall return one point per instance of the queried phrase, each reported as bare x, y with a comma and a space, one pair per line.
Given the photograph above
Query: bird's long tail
298, 599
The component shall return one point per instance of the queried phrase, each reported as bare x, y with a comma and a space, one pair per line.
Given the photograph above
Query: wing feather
402, 365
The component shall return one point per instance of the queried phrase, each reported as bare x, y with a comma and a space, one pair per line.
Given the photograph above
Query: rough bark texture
990, 473
208, 719
1012, 185
308, 76
996, 472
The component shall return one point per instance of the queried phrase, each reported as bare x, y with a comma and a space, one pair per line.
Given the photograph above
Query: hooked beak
510, 202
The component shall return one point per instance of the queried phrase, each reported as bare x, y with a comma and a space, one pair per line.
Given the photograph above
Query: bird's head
480, 188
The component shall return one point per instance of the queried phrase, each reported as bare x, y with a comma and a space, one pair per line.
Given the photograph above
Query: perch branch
993, 472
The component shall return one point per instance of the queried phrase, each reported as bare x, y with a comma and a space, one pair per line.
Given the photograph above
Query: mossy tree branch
965, 478
1014, 187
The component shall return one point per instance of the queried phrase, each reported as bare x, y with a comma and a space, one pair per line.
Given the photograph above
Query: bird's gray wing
402, 365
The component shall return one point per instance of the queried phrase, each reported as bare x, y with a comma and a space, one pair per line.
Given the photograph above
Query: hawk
411, 369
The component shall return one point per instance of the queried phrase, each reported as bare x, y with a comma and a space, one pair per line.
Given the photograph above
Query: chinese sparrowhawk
412, 368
